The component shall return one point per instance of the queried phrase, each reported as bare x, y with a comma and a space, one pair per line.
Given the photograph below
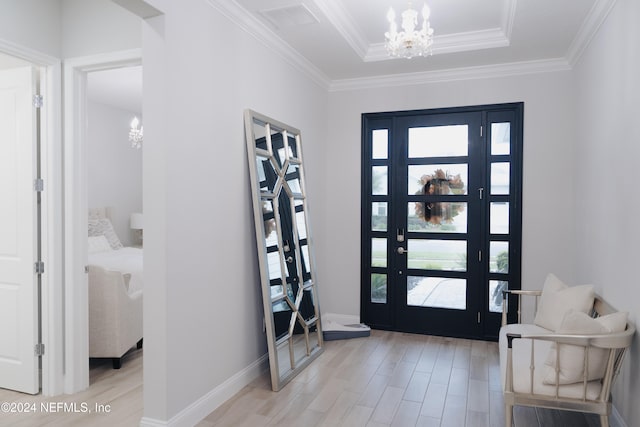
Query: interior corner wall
203, 71
607, 90
547, 182
114, 168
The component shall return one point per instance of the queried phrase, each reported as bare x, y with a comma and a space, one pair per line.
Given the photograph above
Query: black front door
441, 218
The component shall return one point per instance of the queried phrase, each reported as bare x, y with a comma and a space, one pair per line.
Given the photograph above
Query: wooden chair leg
604, 420
508, 414
117, 362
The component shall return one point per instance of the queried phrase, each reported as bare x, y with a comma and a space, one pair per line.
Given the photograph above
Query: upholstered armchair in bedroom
115, 316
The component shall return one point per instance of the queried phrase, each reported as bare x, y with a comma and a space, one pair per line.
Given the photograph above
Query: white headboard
103, 212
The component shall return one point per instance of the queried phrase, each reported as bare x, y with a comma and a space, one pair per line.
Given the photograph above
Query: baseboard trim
208, 403
616, 419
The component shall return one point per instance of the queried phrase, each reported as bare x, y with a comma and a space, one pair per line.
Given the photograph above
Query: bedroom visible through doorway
115, 218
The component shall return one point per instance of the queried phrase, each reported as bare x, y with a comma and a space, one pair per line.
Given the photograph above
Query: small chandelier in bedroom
135, 133
410, 42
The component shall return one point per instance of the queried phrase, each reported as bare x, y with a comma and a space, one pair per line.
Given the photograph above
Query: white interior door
18, 232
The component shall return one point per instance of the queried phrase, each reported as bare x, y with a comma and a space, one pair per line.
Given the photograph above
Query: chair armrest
519, 294
616, 345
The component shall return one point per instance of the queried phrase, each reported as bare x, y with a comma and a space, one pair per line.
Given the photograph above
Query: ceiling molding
258, 30
468, 73
344, 23
508, 17
450, 43
139, 7
588, 29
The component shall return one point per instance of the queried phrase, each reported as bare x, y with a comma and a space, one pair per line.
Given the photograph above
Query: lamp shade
136, 221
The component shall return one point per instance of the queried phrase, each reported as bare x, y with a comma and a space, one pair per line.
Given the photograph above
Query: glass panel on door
437, 292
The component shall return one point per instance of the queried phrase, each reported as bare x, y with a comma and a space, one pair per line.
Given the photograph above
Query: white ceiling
118, 87
341, 40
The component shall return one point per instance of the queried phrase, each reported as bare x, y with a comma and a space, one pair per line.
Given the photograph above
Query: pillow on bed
103, 227
98, 244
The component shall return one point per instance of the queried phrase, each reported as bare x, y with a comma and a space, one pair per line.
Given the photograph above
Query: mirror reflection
289, 290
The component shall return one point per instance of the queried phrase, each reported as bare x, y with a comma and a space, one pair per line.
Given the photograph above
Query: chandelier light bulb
136, 135
413, 40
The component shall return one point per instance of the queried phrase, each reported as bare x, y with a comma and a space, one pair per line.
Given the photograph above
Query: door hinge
38, 267
481, 130
478, 317
38, 185
37, 101
39, 349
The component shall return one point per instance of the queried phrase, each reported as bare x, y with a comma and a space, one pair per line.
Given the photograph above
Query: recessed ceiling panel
289, 16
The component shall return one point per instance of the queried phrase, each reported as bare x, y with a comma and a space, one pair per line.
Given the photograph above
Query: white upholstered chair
115, 316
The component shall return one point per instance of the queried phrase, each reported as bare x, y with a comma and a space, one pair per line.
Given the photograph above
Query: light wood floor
388, 379
119, 388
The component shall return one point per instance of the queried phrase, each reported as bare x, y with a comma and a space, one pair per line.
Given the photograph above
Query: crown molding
508, 17
450, 43
344, 23
263, 34
467, 73
590, 26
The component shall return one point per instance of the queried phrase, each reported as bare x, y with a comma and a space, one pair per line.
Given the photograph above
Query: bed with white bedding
115, 291
126, 260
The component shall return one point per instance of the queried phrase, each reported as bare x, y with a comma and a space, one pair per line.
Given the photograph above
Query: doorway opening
441, 218
115, 220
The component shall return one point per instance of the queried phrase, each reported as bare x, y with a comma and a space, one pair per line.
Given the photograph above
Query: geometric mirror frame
284, 246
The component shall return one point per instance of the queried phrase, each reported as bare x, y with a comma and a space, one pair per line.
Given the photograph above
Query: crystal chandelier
410, 42
135, 133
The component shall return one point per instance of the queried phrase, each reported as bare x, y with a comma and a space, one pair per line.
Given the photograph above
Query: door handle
402, 250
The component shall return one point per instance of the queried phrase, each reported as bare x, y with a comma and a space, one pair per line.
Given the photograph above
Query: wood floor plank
387, 405
477, 419
374, 391
337, 414
478, 398
417, 387
358, 416
434, 399
459, 382
454, 412
407, 414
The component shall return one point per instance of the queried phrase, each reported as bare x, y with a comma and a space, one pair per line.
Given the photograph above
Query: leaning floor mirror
289, 288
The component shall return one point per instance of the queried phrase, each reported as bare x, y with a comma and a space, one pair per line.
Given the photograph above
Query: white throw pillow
572, 356
557, 299
98, 244
102, 226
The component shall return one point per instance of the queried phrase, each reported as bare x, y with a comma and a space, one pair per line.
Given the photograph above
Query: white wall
34, 24
607, 150
547, 204
97, 26
203, 314
114, 168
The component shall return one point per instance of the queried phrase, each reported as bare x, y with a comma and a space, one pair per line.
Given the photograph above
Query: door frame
76, 315
51, 322
387, 120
